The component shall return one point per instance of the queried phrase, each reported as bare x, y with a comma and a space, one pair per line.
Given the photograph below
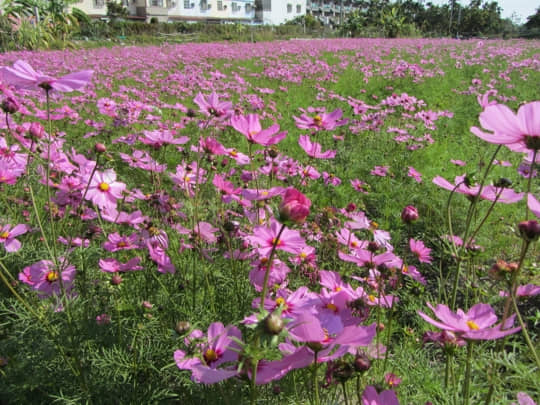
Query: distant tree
116, 10
533, 21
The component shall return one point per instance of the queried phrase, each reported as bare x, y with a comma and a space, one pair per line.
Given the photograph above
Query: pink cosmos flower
524, 399
519, 132
212, 107
476, 324
44, 277
158, 138
414, 174
212, 351
294, 206
8, 235
420, 250
264, 238
112, 265
533, 204
251, 128
327, 121
22, 75
528, 290
371, 397
380, 171
104, 190
503, 195
116, 242
313, 149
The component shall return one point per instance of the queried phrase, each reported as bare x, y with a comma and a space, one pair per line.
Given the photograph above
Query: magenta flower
8, 235
116, 242
409, 214
420, 250
23, 76
524, 399
533, 205
251, 128
111, 265
104, 190
380, 171
44, 277
313, 149
372, 397
214, 350
212, 107
264, 238
294, 206
327, 121
519, 132
476, 324
503, 195
414, 174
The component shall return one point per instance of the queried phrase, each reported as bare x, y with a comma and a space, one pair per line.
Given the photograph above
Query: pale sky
523, 8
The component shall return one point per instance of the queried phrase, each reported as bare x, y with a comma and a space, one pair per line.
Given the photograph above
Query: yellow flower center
233, 153
337, 289
405, 269
280, 302
331, 306
121, 244
4, 235
52, 276
318, 120
303, 255
371, 298
210, 355
354, 244
374, 225
265, 193
104, 186
277, 242
472, 325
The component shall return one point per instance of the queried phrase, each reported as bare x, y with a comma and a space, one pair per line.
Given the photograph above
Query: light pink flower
251, 128
372, 397
22, 75
294, 206
8, 235
420, 250
414, 174
104, 190
519, 132
327, 121
314, 149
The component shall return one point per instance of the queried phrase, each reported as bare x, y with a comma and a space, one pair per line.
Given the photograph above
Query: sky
523, 8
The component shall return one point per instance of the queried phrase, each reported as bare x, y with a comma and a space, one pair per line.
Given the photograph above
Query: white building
213, 10
276, 12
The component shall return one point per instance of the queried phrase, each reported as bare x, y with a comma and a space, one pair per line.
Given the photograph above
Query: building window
204, 5
298, 9
220, 5
248, 8
188, 4
234, 7
267, 5
157, 3
289, 8
99, 3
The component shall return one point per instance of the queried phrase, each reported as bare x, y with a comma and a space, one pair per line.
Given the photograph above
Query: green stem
524, 330
255, 364
269, 266
467, 383
314, 380
531, 171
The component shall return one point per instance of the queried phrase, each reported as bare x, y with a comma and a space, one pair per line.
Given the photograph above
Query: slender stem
269, 266
42, 231
47, 176
315, 382
467, 384
524, 330
490, 209
255, 364
531, 171
345, 397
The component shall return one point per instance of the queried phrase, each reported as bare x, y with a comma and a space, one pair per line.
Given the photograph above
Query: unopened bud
273, 324
100, 148
182, 327
529, 230
409, 214
116, 279
362, 362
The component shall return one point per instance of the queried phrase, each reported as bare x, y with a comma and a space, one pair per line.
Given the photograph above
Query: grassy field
147, 211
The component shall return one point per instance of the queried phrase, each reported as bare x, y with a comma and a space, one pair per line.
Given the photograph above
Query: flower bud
10, 105
409, 214
182, 327
350, 207
362, 362
294, 206
36, 130
273, 324
529, 230
116, 279
100, 148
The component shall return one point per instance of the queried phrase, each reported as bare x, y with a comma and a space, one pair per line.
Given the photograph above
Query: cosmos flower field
303, 222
